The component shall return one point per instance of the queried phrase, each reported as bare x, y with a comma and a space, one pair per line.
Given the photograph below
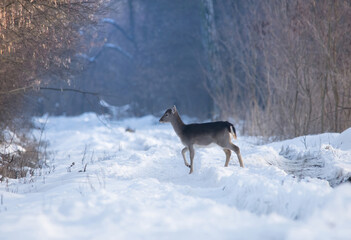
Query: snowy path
137, 187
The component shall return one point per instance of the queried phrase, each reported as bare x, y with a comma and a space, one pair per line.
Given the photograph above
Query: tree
285, 65
38, 42
164, 42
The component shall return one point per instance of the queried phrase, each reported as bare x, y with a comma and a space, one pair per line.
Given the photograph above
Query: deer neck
177, 124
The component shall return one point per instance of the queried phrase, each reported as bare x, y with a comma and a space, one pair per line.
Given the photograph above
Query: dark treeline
281, 66
147, 54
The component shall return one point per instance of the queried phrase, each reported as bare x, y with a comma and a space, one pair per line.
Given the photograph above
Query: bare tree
285, 63
38, 42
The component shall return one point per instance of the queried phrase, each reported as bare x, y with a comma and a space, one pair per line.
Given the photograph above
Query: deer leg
227, 156
237, 151
192, 153
183, 154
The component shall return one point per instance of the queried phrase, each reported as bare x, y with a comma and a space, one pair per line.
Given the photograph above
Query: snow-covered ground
135, 186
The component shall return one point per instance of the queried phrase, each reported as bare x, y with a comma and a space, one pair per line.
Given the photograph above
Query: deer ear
174, 109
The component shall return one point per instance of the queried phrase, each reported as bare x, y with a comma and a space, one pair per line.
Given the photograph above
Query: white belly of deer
206, 146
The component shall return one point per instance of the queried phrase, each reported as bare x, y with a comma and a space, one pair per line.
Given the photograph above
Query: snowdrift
104, 182
325, 156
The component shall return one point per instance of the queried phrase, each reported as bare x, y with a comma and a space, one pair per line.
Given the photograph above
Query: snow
118, 48
12, 143
136, 187
343, 141
109, 20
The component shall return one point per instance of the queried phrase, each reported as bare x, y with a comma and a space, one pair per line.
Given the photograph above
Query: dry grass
22, 162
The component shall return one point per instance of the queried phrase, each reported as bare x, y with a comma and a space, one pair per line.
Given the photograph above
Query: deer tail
232, 130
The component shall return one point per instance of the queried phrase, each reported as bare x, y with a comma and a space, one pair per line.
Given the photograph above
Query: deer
202, 135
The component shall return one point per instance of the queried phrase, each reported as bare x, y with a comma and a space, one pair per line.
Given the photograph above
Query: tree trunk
209, 40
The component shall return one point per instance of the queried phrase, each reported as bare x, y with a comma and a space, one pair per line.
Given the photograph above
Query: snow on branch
86, 57
114, 23
105, 46
118, 48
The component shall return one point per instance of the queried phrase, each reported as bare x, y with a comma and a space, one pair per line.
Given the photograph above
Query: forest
281, 67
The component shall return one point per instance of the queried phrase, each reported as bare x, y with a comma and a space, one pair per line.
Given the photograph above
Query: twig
23, 89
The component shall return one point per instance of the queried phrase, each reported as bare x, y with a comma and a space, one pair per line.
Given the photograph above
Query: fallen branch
36, 88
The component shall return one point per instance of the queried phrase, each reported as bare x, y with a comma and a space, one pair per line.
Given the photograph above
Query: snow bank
343, 141
136, 187
316, 156
11, 145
